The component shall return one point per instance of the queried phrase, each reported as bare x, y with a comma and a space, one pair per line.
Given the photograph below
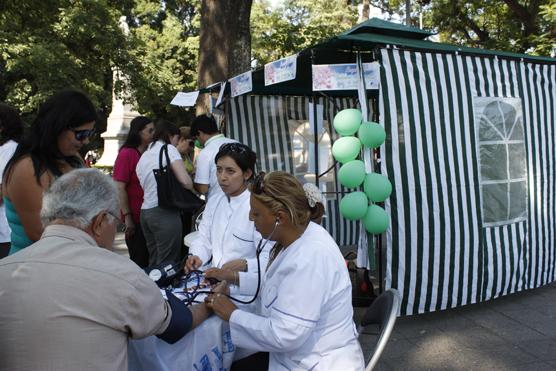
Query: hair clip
313, 194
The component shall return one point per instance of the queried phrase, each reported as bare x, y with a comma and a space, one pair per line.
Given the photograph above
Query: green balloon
376, 220
377, 187
346, 149
354, 205
371, 134
352, 174
347, 121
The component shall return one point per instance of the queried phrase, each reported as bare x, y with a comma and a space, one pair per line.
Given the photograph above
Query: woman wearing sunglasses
226, 234
63, 125
305, 317
141, 130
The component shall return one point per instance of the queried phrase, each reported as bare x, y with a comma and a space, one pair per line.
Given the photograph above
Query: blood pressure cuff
181, 321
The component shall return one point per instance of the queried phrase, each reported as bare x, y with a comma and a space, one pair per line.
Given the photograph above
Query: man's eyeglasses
116, 217
81, 135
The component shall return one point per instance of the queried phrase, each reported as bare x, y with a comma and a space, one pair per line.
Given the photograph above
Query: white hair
78, 196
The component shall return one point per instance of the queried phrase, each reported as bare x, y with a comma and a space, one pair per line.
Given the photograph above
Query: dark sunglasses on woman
81, 135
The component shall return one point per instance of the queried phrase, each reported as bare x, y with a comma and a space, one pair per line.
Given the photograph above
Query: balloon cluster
377, 188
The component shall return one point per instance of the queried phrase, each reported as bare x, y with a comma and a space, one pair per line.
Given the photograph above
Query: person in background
141, 130
11, 131
186, 148
204, 129
305, 317
225, 232
162, 227
67, 302
63, 125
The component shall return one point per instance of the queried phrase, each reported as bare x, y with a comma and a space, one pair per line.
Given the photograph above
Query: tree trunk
364, 11
224, 43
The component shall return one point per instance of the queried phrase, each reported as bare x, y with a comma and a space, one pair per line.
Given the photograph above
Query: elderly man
66, 302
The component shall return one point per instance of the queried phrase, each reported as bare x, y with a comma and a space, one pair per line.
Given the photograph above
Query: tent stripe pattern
449, 119
264, 124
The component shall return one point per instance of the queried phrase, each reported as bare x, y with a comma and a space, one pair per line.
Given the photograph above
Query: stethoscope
196, 275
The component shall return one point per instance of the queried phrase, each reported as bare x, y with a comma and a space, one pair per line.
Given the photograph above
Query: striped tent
447, 246
469, 151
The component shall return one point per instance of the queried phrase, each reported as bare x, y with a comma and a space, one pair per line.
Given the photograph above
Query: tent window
502, 157
303, 146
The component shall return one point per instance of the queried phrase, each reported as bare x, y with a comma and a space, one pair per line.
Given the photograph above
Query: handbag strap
164, 150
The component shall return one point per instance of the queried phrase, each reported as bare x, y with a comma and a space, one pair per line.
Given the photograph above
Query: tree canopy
523, 26
53, 44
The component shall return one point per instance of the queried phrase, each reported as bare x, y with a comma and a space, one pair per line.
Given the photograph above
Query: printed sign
241, 84
185, 99
344, 76
280, 70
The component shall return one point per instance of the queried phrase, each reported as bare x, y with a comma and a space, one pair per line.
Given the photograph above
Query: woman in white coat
226, 234
305, 314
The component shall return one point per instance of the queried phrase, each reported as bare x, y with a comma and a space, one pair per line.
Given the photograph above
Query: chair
382, 312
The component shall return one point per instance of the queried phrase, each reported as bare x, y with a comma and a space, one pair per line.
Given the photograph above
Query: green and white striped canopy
460, 232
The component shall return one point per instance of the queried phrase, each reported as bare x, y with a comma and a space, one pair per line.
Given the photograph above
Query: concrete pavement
517, 332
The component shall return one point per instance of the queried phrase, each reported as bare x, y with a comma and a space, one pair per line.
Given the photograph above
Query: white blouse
226, 233
305, 314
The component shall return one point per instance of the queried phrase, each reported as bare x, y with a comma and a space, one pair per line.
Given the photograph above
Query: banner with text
344, 76
241, 84
280, 70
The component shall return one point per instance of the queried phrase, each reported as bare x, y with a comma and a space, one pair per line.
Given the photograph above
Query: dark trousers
137, 247
254, 362
186, 227
162, 230
4, 249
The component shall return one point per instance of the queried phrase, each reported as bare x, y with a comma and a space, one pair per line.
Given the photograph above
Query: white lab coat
305, 315
226, 233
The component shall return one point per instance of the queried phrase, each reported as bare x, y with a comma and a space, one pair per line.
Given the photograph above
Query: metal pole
315, 126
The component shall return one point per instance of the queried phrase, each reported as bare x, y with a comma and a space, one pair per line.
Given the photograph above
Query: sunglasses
234, 147
81, 135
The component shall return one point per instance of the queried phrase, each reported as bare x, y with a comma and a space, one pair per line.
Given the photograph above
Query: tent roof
382, 27
367, 37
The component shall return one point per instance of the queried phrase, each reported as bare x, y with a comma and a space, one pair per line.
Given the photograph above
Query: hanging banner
241, 84
344, 76
280, 70
185, 99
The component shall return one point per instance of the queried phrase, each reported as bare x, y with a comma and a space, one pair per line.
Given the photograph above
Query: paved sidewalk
516, 332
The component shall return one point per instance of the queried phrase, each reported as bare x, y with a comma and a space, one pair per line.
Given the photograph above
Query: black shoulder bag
171, 194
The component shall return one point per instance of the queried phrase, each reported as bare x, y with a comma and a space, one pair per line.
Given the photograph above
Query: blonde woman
305, 313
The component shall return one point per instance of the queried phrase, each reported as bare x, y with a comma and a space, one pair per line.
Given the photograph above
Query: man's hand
219, 302
193, 262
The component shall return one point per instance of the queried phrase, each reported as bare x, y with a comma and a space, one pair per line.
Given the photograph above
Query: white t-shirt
6, 152
144, 170
205, 168
225, 232
305, 317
